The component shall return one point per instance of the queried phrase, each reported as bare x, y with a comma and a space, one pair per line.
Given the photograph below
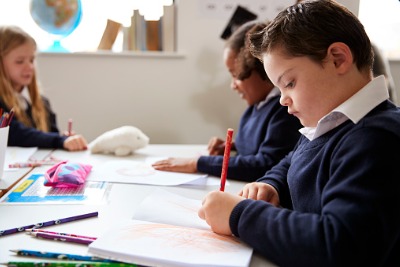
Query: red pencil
225, 162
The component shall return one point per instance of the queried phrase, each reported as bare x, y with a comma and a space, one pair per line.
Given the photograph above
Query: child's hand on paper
186, 165
75, 143
216, 210
261, 191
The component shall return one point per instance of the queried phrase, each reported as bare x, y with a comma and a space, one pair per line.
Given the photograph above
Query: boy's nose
284, 100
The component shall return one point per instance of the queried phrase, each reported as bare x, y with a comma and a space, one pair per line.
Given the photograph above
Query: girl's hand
66, 133
75, 143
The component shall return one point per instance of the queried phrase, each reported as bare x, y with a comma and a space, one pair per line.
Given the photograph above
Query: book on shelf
126, 38
153, 35
140, 31
168, 29
132, 32
109, 35
166, 231
129, 34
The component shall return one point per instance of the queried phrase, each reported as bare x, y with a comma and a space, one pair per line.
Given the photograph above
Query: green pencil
67, 264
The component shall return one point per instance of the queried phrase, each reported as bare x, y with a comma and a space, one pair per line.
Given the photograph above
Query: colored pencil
70, 127
58, 256
48, 223
5, 118
67, 264
58, 233
227, 152
10, 117
23, 165
63, 238
32, 163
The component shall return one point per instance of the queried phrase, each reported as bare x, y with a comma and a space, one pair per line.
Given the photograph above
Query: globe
57, 17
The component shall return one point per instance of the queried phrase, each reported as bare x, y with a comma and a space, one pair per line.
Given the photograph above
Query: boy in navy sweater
266, 132
334, 200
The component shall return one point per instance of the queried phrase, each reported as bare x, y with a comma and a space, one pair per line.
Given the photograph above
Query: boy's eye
289, 85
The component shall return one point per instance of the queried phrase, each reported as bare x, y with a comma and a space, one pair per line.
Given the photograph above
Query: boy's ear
341, 56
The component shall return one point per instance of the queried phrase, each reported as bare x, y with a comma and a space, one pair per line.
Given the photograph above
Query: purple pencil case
67, 174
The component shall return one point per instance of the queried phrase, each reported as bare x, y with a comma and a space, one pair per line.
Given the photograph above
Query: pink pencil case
67, 174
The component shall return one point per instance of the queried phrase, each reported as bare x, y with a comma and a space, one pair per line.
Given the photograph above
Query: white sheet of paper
137, 172
185, 210
162, 240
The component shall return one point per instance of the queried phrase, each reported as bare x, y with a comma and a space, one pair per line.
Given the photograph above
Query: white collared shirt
274, 92
25, 94
354, 108
24, 98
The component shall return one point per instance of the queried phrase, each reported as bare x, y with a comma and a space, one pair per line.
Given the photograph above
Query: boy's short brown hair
309, 28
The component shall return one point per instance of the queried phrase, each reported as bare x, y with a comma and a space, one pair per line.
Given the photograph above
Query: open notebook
166, 231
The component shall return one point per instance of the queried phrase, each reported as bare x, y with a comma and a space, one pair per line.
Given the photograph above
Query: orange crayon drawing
181, 237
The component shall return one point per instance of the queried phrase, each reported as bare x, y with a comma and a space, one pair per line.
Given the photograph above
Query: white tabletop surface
120, 205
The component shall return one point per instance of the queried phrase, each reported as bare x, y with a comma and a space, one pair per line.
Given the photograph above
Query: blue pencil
59, 256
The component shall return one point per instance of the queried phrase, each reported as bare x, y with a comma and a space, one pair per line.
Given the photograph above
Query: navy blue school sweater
341, 198
264, 137
21, 135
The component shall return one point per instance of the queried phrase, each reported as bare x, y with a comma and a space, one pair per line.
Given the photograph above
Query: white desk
122, 200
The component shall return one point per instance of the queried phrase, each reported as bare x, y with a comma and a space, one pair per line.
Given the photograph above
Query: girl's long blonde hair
10, 38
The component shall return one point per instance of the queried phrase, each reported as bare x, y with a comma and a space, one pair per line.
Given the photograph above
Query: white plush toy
121, 141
